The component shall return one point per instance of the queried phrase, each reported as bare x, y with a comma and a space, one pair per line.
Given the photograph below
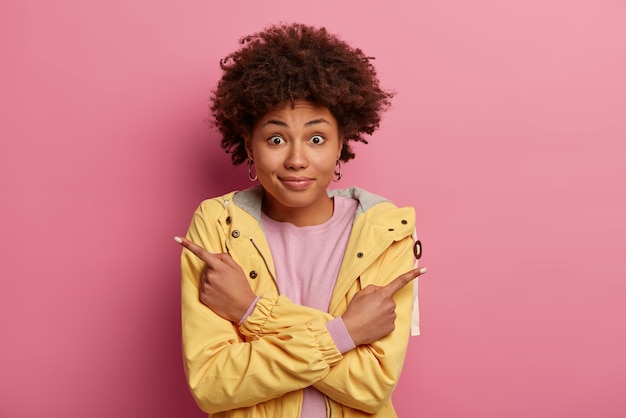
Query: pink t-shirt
307, 261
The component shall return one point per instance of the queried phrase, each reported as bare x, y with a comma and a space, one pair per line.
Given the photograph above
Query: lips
296, 183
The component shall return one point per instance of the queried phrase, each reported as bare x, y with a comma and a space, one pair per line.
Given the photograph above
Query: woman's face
295, 151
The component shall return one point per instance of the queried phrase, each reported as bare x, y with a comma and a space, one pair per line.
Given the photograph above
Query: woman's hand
223, 285
371, 314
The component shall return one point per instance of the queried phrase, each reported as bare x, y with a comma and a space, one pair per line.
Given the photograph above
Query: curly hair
289, 62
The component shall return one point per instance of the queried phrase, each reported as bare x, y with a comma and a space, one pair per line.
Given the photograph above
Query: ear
247, 140
341, 142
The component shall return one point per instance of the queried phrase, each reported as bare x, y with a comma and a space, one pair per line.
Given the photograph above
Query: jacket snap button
228, 220
235, 234
253, 274
404, 222
417, 249
360, 255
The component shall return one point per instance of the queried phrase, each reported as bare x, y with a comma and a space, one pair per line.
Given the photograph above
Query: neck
309, 216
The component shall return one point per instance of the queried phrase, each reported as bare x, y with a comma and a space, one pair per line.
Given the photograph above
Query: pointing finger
402, 280
204, 255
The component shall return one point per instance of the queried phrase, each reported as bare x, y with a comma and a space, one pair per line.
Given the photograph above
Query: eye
276, 140
317, 139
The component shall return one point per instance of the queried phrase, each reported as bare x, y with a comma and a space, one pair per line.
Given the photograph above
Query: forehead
301, 113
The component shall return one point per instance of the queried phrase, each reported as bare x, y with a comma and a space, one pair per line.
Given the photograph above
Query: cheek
327, 166
266, 163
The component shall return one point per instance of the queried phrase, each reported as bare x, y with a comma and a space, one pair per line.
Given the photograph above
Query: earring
337, 172
250, 162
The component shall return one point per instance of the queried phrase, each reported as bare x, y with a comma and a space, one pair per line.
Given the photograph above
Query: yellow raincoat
259, 369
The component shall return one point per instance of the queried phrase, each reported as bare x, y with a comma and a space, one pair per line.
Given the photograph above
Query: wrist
248, 311
352, 330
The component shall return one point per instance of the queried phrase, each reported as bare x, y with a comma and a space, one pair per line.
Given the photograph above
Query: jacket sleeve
366, 376
230, 368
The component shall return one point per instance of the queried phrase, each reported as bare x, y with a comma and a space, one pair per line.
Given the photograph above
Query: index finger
404, 279
201, 253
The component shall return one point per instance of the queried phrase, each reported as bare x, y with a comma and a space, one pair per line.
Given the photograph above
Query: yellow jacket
259, 369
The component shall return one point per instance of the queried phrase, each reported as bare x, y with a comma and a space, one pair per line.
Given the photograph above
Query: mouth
296, 183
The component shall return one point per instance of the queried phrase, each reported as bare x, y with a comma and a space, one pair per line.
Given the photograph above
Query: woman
295, 300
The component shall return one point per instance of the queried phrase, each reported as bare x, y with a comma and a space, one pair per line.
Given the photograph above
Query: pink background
508, 135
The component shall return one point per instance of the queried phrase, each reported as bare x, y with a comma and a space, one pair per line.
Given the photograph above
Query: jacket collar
250, 199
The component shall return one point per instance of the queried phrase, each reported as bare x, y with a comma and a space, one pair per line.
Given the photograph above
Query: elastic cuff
325, 344
253, 325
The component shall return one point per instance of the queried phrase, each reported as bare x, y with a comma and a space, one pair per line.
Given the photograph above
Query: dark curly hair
288, 62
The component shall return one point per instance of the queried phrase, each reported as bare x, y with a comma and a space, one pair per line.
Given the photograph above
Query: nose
296, 157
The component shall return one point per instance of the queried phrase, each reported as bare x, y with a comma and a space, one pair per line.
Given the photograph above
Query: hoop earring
337, 172
250, 162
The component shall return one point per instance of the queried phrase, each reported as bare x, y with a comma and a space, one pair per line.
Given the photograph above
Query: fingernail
178, 240
423, 270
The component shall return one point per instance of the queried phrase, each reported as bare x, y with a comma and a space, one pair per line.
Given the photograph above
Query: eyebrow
309, 123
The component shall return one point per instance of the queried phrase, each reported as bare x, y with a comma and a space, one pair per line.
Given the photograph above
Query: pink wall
508, 134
